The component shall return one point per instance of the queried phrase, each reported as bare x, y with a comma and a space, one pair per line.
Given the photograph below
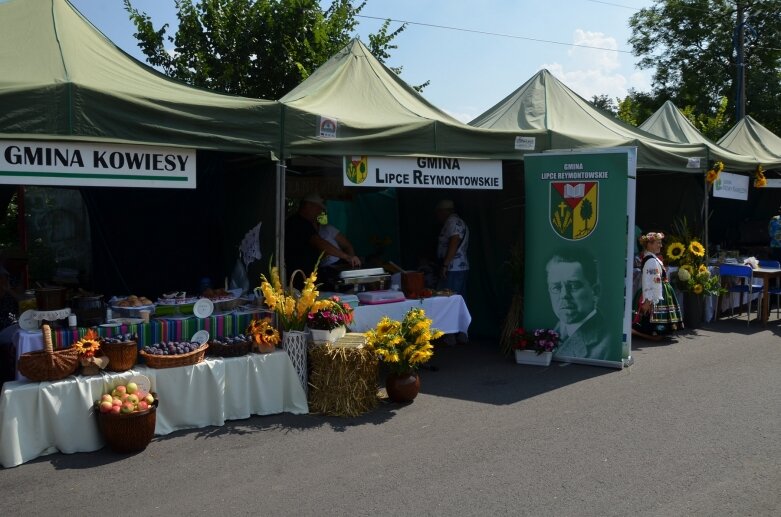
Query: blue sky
470, 71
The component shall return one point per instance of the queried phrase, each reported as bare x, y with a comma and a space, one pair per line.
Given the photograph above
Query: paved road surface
693, 428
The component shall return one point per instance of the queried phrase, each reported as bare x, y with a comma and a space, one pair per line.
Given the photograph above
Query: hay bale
343, 380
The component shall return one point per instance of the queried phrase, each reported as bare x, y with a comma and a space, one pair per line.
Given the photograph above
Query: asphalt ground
692, 428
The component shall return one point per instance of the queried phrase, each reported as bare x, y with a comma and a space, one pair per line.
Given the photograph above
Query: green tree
689, 46
636, 107
605, 103
256, 48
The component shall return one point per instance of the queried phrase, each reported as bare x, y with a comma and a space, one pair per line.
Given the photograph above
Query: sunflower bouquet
263, 334
759, 177
88, 348
714, 172
698, 281
404, 345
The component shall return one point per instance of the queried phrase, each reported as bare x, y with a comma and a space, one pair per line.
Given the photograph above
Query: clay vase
402, 387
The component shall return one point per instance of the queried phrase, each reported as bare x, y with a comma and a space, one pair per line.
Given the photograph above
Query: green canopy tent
377, 114
65, 81
668, 122
671, 173
750, 137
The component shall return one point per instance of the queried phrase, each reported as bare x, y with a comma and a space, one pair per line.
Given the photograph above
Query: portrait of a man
574, 289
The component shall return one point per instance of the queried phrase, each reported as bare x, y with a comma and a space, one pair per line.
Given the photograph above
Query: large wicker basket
128, 433
234, 350
172, 361
121, 356
43, 365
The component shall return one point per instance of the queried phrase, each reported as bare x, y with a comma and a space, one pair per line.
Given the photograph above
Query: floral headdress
651, 236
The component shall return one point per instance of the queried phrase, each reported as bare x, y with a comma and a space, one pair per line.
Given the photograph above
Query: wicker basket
128, 433
234, 350
172, 361
121, 356
49, 366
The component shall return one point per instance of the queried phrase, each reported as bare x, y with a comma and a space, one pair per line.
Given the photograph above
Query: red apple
128, 407
105, 406
116, 402
133, 398
106, 396
143, 406
150, 399
115, 410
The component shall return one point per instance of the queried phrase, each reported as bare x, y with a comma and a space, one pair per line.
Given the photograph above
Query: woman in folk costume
657, 312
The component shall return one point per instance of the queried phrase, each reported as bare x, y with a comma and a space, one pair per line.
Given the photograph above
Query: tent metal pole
280, 219
705, 204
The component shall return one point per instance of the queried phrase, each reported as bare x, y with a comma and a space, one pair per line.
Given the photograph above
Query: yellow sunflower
711, 176
696, 249
675, 250
702, 269
88, 345
688, 268
697, 289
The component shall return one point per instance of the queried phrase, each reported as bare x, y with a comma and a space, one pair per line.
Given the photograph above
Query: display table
155, 331
448, 313
46, 417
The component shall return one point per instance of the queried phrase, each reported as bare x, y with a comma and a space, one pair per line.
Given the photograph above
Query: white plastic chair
741, 282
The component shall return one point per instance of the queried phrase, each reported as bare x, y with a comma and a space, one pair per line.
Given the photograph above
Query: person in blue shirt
774, 230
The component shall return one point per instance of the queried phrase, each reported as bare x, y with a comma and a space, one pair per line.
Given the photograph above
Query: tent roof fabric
378, 113
545, 103
750, 137
668, 122
63, 79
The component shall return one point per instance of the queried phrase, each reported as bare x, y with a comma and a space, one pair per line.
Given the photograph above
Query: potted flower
264, 336
403, 346
534, 347
329, 321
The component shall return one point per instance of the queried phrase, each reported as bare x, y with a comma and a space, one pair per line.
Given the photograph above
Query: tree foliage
255, 48
689, 47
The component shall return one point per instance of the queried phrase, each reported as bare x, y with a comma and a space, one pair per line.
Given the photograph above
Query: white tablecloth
448, 313
46, 417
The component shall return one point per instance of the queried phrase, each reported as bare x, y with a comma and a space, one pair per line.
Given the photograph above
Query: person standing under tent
774, 230
657, 312
452, 246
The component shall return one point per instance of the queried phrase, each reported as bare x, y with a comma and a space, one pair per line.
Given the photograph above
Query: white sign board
773, 183
327, 127
731, 186
95, 165
422, 172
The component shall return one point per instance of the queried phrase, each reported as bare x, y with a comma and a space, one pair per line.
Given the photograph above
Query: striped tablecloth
159, 330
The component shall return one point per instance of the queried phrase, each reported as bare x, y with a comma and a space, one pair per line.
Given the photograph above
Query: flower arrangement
759, 177
89, 345
751, 261
698, 281
291, 307
404, 345
331, 314
714, 172
538, 340
263, 333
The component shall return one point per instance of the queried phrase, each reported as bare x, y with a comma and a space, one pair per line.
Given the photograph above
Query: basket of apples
126, 417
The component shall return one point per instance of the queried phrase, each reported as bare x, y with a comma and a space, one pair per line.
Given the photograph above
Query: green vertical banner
579, 236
